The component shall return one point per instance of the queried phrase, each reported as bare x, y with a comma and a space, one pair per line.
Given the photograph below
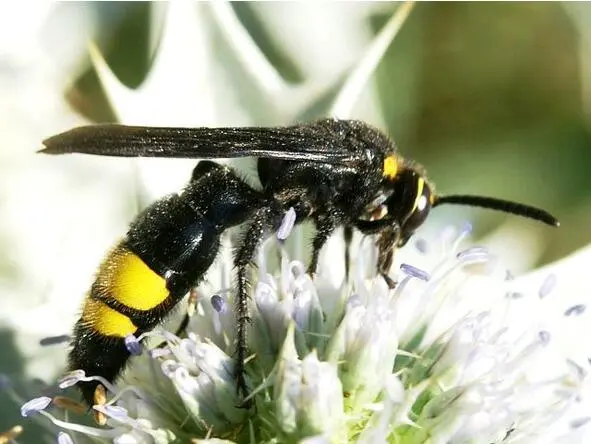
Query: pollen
11, 434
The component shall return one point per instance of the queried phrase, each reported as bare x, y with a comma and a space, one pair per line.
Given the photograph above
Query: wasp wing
320, 141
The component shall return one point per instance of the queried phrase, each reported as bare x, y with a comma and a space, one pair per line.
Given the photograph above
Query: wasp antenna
505, 206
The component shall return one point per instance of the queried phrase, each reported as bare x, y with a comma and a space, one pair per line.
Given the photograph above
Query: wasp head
409, 200
406, 197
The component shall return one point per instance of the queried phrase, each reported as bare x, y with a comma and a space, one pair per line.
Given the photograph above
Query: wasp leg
386, 245
325, 226
370, 227
348, 235
389, 235
263, 221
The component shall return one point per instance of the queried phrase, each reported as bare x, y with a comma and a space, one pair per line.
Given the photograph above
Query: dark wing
317, 141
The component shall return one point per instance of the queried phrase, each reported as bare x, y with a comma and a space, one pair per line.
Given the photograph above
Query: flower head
438, 358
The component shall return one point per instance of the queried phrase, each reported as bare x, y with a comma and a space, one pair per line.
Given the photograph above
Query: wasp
336, 173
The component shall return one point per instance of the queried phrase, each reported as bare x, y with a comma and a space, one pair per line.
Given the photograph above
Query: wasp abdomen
136, 287
124, 291
167, 250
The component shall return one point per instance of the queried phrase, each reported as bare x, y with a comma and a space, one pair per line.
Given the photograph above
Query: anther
65, 403
415, 272
132, 345
35, 405
575, 310
71, 379
11, 434
218, 303
54, 340
287, 224
100, 398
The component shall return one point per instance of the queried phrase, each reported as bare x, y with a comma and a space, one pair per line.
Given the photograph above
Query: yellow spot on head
106, 321
127, 278
390, 167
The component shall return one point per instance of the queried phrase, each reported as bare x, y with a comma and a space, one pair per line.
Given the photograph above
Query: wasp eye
420, 209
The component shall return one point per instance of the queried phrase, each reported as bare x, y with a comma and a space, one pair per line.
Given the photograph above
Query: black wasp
334, 172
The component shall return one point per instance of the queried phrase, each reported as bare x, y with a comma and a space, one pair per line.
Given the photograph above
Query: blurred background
492, 98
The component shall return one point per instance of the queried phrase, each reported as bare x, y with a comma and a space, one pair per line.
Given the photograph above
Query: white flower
308, 394
365, 342
463, 373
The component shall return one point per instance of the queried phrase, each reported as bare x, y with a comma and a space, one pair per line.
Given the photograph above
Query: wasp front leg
387, 243
348, 237
325, 226
389, 235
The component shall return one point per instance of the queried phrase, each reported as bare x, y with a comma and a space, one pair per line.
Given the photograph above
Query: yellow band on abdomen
126, 278
104, 320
